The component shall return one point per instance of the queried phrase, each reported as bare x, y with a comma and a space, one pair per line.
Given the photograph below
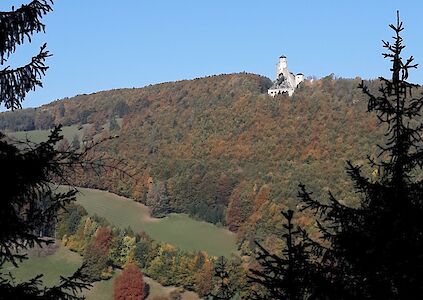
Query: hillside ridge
219, 148
39, 113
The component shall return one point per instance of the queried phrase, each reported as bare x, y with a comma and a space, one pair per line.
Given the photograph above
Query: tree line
106, 248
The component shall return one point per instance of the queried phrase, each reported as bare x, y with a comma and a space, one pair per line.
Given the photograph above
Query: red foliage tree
129, 285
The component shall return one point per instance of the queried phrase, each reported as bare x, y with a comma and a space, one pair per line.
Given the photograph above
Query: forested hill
219, 148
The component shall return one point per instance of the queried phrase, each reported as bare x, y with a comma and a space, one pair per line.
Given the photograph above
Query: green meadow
176, 229
64, 262
37, 136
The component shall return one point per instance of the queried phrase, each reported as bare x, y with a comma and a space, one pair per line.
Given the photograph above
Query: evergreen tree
29, 202
15, 28
375, 250
289, 276
158, 200
223, 289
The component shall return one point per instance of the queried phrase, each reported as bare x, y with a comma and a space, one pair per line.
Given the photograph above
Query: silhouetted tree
374, 250
15, 27
29, 201
289, 276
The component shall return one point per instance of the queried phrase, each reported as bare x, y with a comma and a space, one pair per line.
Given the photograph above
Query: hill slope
219, 148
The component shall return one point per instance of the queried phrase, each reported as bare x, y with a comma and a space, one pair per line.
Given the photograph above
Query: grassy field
103, 290
176, 229
68, 132
37, 136
64, 262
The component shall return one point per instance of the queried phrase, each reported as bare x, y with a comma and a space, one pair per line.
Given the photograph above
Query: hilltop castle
286, 82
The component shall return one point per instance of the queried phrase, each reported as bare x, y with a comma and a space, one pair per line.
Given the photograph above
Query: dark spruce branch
16, 83
30, 203
287, 276
69, 288
29, 171
18, 25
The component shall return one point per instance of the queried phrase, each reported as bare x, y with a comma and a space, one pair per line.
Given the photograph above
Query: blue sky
101, 45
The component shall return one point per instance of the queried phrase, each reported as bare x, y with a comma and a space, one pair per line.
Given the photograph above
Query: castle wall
289, 82
281, 66
298, 79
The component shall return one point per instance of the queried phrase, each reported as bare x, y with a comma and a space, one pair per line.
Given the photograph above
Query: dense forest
219, 148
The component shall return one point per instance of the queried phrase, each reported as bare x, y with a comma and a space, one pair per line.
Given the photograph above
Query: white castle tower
286, 82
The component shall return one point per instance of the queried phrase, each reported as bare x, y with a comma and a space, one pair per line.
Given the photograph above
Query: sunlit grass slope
176, 229
38, 136
63, 262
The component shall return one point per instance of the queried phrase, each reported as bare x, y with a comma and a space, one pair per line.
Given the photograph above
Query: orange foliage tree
129, 285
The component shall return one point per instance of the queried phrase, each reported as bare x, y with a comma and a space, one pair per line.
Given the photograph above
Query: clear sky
101, 45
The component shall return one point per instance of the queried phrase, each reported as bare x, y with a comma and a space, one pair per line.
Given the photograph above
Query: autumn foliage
96, 254
129, 284
106, 248
219, 148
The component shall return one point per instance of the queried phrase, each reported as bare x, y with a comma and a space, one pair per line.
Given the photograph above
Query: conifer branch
16, 83
17, 25
71, 287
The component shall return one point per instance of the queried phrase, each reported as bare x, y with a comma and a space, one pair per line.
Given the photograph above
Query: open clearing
69, 132
37, 136
64, 262
176, 229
